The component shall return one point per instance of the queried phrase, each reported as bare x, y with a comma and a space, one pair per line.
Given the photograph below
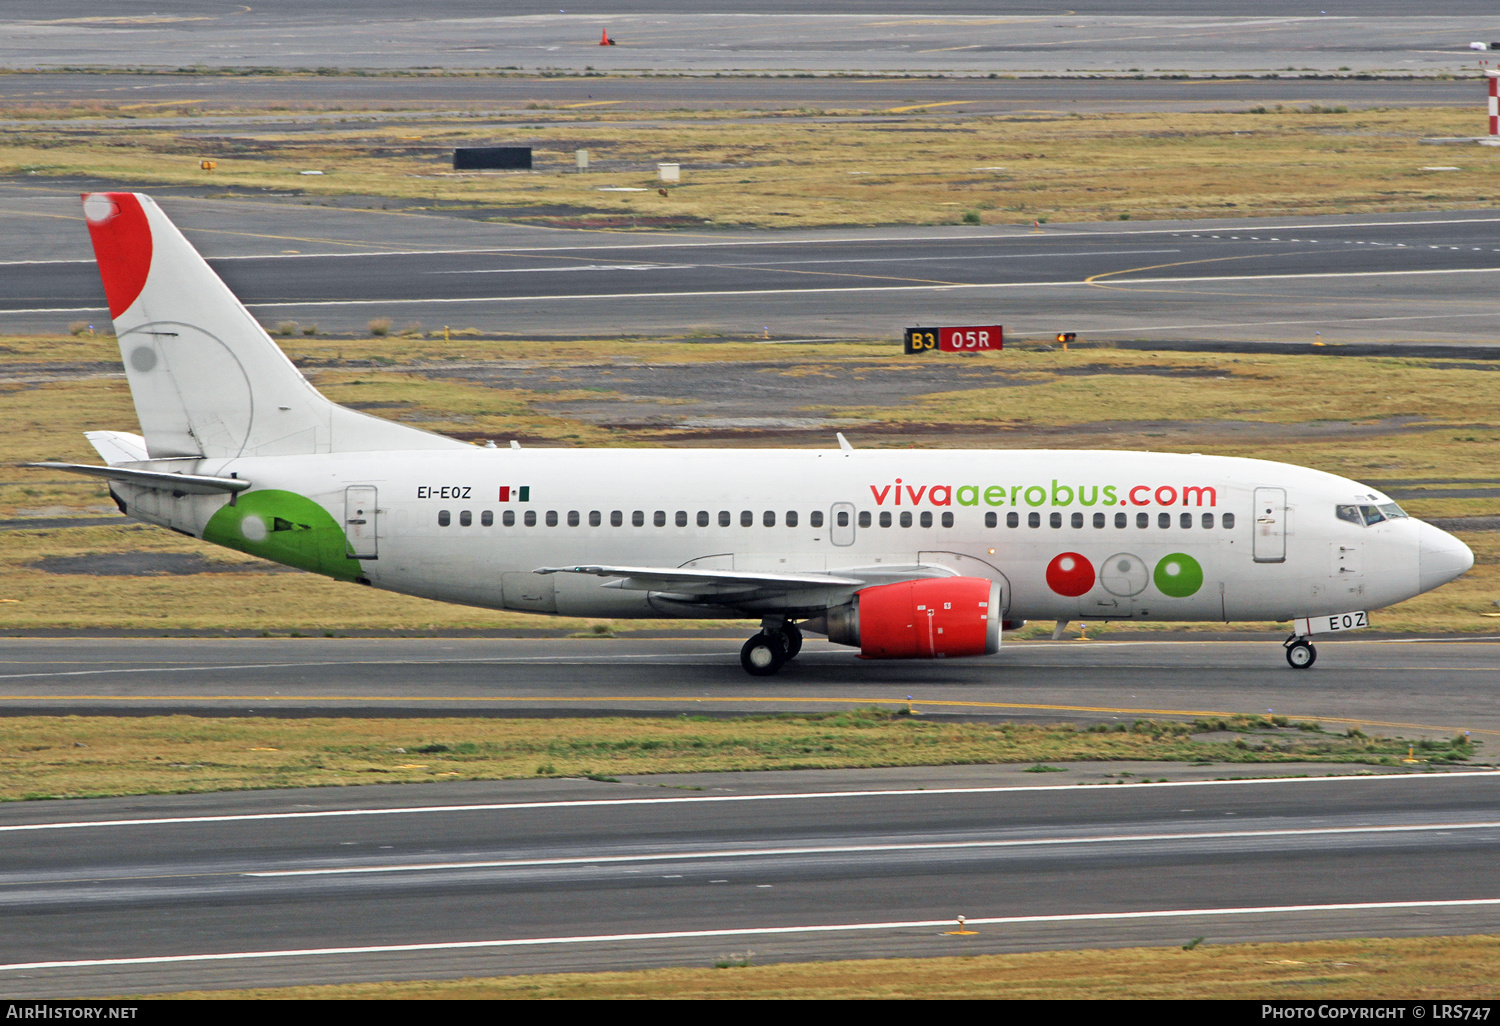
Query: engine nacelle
935, 618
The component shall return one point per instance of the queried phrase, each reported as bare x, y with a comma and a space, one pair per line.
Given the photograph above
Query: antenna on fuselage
843, 442
514, 444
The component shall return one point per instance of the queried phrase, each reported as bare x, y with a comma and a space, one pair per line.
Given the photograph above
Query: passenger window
1228, 521
1120, 520
572, 518
444, 518
1077, 520
1143, 520
885, 519
465, 519
638, 518
1163, 520
905, 519
487, 518
681, 519
1012, 520
843, 518
724, 518
1055, 520
1208, 521
552, 518
1098, 521
991, 520
508, 518
595, 518
815, 518
530, 518
768, 518
791, 518
659, 518
1186, 520
1033, 520
864, 518
616, 518
926, 520
1349, 513
948, 520
703, 518
747, 518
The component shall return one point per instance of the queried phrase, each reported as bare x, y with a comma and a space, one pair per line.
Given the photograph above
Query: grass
1417, 418
758, 168
1409, 968
86, 757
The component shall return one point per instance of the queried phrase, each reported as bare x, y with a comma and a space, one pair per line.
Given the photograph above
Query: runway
1407, 688
1395, 277
797, 37
288, 887
147, 100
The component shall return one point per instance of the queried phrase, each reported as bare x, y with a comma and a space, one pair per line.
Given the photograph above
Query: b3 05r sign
971, 339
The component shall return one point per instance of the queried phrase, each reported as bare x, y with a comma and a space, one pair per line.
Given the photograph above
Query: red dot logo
1070, 574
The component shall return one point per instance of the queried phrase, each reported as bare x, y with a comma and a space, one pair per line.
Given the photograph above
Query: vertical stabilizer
206, 378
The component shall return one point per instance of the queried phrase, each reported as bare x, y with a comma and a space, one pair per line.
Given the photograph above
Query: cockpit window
1367, 514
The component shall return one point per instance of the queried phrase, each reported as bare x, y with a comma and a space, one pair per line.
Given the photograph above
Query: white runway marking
865, 849
754, 931
583, 803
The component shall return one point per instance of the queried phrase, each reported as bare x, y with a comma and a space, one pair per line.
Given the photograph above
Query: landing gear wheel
1300, 654
764, 654
793, 640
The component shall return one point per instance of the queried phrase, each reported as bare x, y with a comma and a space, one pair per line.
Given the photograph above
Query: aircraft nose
1441, 557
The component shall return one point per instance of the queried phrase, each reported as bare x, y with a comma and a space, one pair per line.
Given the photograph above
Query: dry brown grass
759, 168
80, 756
1410, 968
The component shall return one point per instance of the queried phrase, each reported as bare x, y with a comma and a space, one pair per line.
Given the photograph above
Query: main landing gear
778, 642
1300, 652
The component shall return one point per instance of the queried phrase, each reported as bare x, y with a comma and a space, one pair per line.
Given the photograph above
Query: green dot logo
1178, 575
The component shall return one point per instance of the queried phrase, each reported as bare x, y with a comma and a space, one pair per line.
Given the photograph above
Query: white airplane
904, 554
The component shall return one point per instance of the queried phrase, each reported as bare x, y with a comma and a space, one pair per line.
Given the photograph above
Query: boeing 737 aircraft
903, 554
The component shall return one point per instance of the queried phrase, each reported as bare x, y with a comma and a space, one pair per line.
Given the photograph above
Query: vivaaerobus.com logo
898, 493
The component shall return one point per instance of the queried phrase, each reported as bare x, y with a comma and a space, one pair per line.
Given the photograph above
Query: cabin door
1270, 525
360, 521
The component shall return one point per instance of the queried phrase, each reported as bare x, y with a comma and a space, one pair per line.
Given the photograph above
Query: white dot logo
99, 208
1066, 564
253, 528
1173, 569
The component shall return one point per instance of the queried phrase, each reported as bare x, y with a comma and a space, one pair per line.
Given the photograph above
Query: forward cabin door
360, 521
841, 523
1270, 525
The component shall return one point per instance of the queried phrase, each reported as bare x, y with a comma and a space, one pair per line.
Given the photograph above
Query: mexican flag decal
521, 493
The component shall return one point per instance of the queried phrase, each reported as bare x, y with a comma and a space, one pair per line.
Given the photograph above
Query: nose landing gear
1300, 653
765, 653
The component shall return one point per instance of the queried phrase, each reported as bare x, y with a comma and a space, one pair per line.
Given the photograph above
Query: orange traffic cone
604, 39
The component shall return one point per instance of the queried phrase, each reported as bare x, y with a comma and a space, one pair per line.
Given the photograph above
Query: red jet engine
935, 618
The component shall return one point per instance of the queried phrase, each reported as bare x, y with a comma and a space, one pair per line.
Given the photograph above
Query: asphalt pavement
1418, 277
275, 888
1404, 687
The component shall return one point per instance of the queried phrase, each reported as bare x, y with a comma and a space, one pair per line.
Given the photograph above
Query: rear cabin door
1270, 525
360, 521
841, 523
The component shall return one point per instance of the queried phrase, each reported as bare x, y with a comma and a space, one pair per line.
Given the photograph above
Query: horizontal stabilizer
118, 446
183, 484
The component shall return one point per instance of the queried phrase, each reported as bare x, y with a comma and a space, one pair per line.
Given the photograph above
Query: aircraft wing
750, 590
705, 583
